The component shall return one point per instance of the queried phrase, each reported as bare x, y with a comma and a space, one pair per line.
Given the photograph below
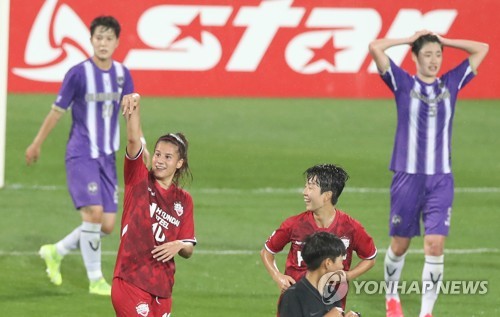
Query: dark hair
329, 177
180, 140
108, 22
424, 39
319, 246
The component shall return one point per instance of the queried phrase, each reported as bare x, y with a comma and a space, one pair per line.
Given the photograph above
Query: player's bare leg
108, 223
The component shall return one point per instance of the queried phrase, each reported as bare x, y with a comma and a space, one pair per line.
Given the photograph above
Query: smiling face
428, 61
313, 197
166, 161
104, 41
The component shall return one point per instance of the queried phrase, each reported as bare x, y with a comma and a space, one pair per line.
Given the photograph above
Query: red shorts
131, 301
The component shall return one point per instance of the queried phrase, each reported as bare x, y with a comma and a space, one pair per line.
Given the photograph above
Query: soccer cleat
53, 260
100, 287
393, 308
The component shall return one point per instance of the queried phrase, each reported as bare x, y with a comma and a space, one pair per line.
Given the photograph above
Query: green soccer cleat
100, 287
53, 260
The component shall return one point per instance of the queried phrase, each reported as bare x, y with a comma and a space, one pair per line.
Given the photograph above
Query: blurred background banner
245, 48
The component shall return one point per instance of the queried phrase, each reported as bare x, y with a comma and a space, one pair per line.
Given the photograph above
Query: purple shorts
415, 196
93, 182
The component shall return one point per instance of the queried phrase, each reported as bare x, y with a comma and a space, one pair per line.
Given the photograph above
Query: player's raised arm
477, 50
130, 110
145, 153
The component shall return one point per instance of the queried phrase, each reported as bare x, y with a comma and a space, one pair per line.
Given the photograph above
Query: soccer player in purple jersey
145, 266
93, 89
422, 184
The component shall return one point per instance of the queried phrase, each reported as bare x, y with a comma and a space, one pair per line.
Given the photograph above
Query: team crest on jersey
92, 188
178, 208
346, 241
120, 80
142, 309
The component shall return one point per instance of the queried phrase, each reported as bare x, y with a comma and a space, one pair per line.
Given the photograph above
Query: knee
92, 214
399, 246
434, 245
434, 249
107, 228
398, 250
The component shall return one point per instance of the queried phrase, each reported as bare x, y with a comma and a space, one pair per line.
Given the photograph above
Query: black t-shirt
303, 300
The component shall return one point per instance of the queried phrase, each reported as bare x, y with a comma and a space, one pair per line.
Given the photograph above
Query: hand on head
418, 34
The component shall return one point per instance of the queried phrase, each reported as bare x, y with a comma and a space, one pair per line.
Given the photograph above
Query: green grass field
247, 157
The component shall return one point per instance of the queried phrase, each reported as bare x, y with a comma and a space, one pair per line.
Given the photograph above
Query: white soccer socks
72, 241
393, 266
69, 242
90, 247
432, 275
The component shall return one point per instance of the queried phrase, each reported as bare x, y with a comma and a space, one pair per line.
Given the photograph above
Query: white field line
267, 190
255, 252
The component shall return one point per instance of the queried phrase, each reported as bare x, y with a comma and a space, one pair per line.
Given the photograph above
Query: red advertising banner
247, 48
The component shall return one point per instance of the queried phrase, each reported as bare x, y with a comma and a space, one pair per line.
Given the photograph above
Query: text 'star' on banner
247, 48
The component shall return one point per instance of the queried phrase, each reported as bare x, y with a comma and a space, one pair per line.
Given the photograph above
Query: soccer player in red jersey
157, 222
323, 187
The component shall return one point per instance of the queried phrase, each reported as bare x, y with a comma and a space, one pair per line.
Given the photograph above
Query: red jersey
296, 228
152, 216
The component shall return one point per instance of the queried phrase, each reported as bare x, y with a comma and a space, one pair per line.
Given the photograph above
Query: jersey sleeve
279, 238
70, 86
128, 86
459, 76
134, 169
363, 242
395, 76
186, 232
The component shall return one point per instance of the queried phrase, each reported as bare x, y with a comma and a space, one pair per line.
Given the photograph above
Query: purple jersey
94, 96
425, 114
